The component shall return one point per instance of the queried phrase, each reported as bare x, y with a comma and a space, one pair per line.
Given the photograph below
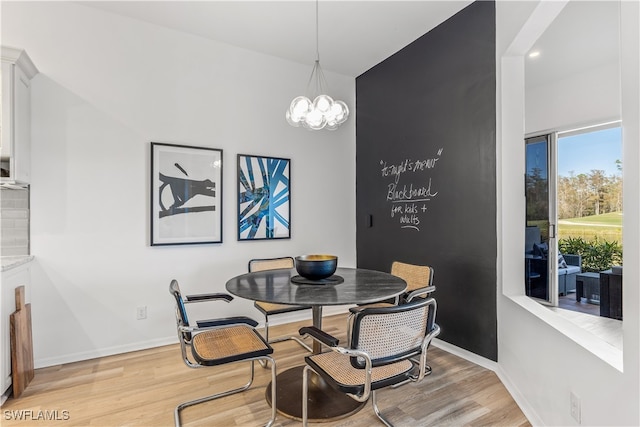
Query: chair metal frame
277, 262
361, 359
187, 333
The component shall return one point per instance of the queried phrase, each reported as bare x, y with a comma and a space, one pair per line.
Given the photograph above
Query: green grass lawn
606, 227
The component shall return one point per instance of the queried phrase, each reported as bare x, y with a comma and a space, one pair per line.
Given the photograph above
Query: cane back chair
383, 345
419, 280
271, 309
219, 341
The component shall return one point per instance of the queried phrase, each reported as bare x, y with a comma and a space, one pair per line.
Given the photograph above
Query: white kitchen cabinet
15, 153
11, 279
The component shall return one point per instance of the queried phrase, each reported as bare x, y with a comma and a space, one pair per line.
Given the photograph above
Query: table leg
316, 313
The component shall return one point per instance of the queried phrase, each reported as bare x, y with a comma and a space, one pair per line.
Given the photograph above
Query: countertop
9, 262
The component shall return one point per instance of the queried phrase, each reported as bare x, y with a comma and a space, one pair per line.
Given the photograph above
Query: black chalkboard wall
426, 170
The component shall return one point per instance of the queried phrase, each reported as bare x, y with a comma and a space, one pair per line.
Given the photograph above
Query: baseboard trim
109, 351
519, 398
159, 342
465, 354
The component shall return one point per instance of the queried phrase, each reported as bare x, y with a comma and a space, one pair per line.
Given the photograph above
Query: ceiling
353, 35
583, 36
356, 35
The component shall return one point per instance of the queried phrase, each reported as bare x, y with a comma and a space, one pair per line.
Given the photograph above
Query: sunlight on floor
608, 330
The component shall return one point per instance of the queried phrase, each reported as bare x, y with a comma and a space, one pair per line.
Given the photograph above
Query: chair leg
266, 328
296, 339
181, 406
264, 363
305, 395
374, 403
273, 393
427, 371
281, 339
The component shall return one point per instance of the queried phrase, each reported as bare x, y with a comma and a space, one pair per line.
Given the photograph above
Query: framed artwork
264, 198
186, 195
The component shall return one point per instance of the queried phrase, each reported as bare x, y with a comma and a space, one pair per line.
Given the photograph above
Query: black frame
254, 188
203, 169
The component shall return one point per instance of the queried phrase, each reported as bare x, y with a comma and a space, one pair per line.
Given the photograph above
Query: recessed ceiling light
534, 54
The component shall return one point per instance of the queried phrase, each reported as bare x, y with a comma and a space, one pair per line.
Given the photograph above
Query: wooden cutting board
21, 345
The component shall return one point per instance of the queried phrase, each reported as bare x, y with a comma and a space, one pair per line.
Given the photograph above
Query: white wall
541, 356
553, 106
107, 87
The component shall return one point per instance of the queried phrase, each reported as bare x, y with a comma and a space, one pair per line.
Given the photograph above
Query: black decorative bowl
316, 267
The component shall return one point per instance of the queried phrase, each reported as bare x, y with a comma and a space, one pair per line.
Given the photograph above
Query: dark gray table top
360, 286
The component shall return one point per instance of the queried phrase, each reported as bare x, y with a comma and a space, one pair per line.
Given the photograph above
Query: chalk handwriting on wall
410, 189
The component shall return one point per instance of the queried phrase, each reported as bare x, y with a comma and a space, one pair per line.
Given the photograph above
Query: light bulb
323, 103
335, 113
293, 122
300, 106
331, 125
341, 116
315, 120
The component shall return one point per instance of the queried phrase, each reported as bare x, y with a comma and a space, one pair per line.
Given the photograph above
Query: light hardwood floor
142, 389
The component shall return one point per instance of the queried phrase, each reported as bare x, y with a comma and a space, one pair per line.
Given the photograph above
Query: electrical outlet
575, 407
141, 312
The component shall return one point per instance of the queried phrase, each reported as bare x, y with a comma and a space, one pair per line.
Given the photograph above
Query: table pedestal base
325, 403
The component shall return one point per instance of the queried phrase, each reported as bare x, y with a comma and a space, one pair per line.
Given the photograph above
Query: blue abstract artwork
264, 199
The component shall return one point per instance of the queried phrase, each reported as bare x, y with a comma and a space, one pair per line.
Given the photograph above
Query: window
573, 214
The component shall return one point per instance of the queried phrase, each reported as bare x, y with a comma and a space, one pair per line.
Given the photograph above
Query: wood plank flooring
142, 389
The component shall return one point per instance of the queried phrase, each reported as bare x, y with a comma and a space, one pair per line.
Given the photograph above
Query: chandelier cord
317, 68
320, 80
317, 35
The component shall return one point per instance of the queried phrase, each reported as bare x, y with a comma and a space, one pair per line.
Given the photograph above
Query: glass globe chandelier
323, 112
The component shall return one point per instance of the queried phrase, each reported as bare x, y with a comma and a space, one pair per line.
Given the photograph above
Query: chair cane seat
337, 367
218, 346
274, 308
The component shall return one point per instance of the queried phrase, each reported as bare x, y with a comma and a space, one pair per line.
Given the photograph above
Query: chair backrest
181, 311
416, 276
390, 334
270, 264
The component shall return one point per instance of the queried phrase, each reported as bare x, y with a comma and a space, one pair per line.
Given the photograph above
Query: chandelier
323, 112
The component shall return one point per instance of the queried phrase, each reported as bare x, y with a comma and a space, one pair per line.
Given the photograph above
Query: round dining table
284, 286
